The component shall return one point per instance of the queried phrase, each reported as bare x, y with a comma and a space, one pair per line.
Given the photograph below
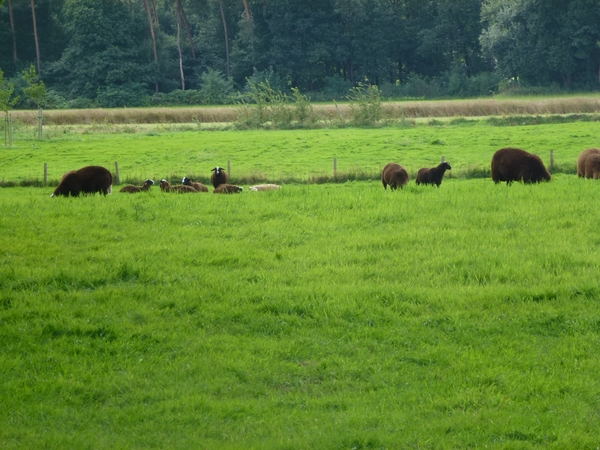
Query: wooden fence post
334, 167
443, 159
45, 174
117, 176
40, 121
10, 136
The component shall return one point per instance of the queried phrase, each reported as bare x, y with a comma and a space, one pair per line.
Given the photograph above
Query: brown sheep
433, 175
87, 180
395, 176
588, 163
218, 177
198, 186
165, 186
228, 189
134, 189
264, 187
513, 164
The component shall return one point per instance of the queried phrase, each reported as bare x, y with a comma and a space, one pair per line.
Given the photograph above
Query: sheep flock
507, 165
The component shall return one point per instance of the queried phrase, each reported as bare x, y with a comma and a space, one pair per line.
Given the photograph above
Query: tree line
140, 52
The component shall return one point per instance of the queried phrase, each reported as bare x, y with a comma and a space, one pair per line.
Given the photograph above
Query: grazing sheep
198, 186
134, 189
588, 163
395, 176
218, 177
433, 175
264, 187
165, 186
513, 164
228, 189
87, 180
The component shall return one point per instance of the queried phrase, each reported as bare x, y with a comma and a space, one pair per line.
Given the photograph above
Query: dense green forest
145, 52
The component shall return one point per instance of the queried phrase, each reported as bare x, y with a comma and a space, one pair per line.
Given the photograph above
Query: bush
365, 105
216, 89
129, 94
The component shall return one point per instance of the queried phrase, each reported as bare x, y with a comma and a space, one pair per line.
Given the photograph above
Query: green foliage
36, 92
6, 92
129, 94
216, 89
335, 316
264, 106
365, 104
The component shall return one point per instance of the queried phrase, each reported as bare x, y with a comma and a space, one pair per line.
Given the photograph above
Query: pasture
335, 315
292, 156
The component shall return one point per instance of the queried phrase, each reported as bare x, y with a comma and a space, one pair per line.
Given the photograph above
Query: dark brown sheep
228, 189
588, 163
514, 164
198, 186
433, 175
87, 180
395, 176
165, 186
135, 189
219, 176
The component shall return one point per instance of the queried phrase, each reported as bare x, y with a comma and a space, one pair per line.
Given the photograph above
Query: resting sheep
228, 189
198, 186
264, 187
513, 164
87, 180
219, 176
134, 189
165, 186
588, 164
433, 175
395, 176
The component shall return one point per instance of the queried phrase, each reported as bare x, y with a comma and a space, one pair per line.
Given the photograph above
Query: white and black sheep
198, 186
228, 189
218, 177
132, 189
165, 186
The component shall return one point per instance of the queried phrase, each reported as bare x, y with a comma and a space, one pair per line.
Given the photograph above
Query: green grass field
293, 156
334, 316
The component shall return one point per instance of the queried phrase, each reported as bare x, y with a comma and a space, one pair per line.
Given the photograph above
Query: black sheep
87, 180
228, 189
134, 189
433, 175
514, 164
198, 186
588, 163
395, 176
219, 176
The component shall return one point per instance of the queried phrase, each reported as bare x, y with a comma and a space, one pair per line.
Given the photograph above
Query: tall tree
12, 29
151, 25
226, 38
37, 43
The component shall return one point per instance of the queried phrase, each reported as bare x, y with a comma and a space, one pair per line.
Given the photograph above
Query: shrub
365, 105
129, 94
216, 89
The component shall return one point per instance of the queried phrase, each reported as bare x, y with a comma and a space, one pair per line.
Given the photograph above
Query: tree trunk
147, 6
226, 38
247, 14
187, 27
179, 48
12, 29
35, 35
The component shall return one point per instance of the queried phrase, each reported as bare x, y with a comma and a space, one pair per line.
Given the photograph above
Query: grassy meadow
333, 315
293, 156
319, 316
